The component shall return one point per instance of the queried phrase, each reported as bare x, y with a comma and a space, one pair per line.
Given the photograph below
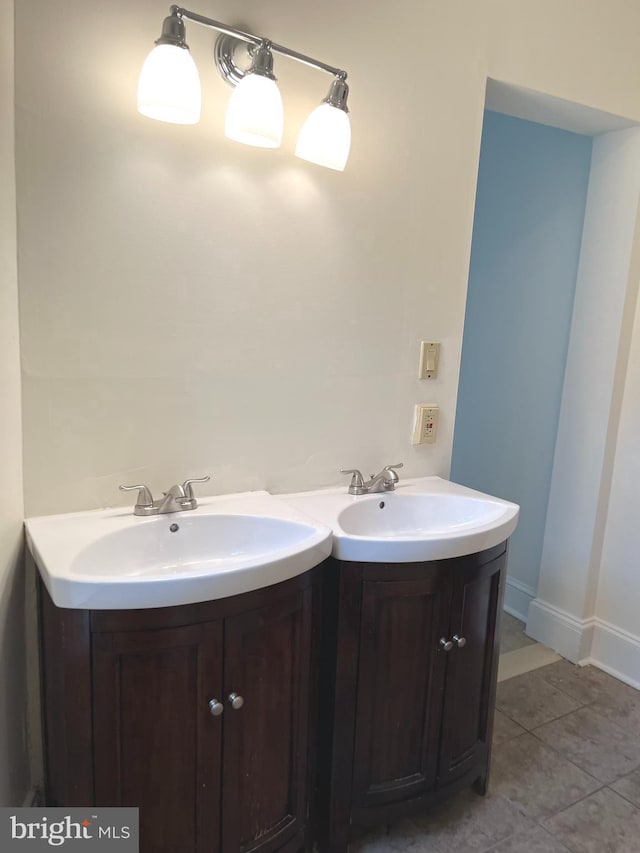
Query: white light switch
429, 358
426, 424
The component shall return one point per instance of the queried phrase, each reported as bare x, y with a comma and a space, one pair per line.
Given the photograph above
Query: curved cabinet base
142, 708
398, 668
408, 687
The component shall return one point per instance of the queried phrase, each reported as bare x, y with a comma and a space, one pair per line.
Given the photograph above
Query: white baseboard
517, 598
616, 652
591, 641
560, 631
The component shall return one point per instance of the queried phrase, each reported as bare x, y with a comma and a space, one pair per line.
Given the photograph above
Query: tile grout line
582, 770
581, 800
620, 794
566, 808
552, 720
588, 705
555, 719
601, 786
555, 838
512, 720
604, 720
564, 693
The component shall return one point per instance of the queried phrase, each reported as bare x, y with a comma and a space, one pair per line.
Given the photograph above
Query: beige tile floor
519, 653
565, 776
512, 635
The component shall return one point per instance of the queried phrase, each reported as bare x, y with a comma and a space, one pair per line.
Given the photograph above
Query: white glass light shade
169, 86
325, 137
255, 115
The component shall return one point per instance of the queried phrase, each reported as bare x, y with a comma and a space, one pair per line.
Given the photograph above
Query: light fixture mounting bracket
223, 54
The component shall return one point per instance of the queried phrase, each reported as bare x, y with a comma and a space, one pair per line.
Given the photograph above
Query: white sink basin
423, 519
403, 516
231, 544
110, 559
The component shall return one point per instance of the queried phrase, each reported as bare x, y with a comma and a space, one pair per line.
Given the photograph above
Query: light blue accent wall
530, 203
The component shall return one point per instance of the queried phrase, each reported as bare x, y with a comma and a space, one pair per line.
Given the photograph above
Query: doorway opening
546, 340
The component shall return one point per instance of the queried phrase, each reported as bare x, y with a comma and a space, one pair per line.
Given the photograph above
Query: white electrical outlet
426, 424
429, 359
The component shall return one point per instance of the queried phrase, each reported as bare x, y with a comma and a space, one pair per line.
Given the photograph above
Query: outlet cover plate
426, 424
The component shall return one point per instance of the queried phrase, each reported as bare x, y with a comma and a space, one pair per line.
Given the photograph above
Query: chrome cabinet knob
236, 701
216, 707
445, 644
459, 641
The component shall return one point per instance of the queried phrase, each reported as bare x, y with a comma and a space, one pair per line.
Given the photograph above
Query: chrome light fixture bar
169, 90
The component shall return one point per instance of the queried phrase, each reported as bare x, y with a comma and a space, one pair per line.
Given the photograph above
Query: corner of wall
565, 614
14, 758
560, 631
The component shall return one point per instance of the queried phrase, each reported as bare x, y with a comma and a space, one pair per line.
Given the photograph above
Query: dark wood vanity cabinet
153, 744
219, 719
408, 687
201, 715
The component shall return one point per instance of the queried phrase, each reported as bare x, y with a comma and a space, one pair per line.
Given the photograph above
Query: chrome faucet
178, 499
385, 481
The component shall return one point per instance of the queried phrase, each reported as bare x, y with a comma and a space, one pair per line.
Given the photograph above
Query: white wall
14, 773
564, 615
616, 642
192, 306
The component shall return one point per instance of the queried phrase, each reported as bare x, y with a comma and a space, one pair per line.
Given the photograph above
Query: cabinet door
399, 695
156, 744
471, 670
266, 741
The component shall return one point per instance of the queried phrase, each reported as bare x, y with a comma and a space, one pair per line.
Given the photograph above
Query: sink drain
381, 504
174, 528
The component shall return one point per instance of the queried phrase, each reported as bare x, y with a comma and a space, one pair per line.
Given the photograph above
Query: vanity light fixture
169, 90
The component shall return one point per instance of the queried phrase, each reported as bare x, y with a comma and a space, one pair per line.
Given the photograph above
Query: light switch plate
426, 424
429, 359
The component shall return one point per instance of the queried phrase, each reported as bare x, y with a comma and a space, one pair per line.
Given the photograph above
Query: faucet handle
356, 486
145, 498
357, 479
393, 474
188, 491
